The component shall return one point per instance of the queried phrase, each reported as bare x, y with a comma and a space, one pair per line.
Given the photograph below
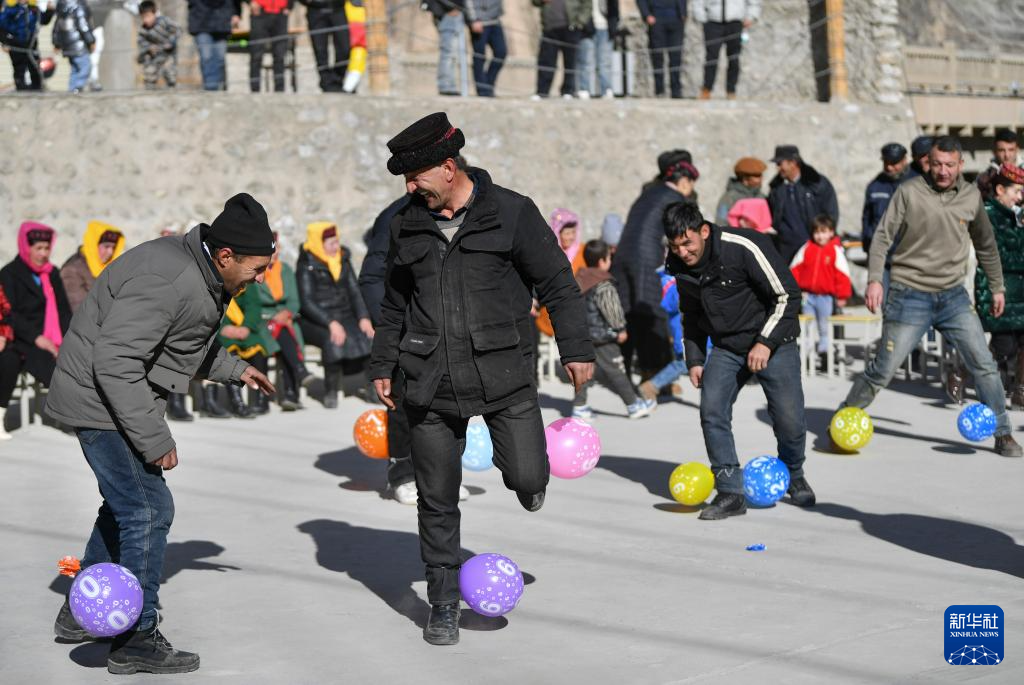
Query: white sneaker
584, 412
568, 96
406, 493
609, 94
641, 408
463, 493
4, 435
535, 98
583, 94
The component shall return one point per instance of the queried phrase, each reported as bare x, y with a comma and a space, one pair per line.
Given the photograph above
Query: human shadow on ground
387, 563
818, 420
180, 556
364, 474
960, 542
562, 406
650, 473
91, 654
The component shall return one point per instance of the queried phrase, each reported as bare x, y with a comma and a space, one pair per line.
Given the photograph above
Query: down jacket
721, 11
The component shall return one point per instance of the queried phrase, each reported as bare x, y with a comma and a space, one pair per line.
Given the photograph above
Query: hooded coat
80, 270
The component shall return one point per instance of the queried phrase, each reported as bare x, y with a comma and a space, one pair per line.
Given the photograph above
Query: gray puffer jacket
146, 329
72, 28
486, 11
720, 11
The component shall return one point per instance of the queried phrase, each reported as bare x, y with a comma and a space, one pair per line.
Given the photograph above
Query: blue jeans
907, 317
725, 373
133, 521
484, 73
81, 67
212, 51
820, 307
672, 371
452, 34
595, 52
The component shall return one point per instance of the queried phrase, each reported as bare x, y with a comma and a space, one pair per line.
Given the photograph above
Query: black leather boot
443, 624
211, 407
238, 406
66, 627
150, 652
724, 505
304, 376
176, 409
259, 404
290, 398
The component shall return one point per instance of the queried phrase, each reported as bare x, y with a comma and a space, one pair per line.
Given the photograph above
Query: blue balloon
765, 480
976, 422
479, 454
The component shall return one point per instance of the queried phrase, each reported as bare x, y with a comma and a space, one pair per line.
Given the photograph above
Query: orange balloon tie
69, 566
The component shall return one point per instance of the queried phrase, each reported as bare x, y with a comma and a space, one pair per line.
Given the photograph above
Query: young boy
72, 35
19, 28
822, 272
607, 326
158, 46
676, 368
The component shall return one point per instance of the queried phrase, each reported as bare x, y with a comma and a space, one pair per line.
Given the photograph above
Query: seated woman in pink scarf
40, 313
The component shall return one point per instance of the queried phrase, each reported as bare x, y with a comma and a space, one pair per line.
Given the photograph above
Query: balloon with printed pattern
106, 599
573, 447
691, 483
851, 429
371, 433
976, 422
765, 480
491, 584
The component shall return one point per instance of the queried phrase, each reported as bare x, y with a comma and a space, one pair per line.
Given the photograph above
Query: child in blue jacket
19, 30
676, 368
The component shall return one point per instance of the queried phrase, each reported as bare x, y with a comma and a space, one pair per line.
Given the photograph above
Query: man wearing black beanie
148, 327
465, 255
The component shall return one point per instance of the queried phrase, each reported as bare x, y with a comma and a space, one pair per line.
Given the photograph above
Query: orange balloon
371, 433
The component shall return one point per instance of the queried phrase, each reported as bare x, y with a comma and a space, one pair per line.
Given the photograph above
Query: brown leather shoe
955, 382
1006, 446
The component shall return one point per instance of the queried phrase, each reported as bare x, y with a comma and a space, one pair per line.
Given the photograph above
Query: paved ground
286, 565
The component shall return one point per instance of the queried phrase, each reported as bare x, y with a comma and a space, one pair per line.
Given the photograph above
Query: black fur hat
429, 141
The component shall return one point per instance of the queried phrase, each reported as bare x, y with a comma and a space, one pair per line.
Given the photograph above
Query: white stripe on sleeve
773, 280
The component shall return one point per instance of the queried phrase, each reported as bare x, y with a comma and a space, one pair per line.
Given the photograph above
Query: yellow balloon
691, 483
851, 428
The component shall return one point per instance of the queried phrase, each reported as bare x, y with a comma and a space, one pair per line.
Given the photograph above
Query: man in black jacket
736, 290
210, 22
798, 194
328, 24
465, 256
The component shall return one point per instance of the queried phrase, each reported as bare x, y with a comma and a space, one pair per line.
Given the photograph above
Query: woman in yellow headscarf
333, 315
101, 244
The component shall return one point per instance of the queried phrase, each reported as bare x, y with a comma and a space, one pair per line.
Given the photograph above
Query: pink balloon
573, 448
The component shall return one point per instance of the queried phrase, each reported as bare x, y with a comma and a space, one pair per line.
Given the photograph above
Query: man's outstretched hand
579, 373
257, 381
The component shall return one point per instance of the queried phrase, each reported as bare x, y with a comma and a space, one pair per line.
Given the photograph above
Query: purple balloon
491, 584
106, 599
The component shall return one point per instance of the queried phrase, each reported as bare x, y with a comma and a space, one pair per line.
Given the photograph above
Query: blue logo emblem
974, 635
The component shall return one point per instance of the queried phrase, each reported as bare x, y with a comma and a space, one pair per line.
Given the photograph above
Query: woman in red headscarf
40, 313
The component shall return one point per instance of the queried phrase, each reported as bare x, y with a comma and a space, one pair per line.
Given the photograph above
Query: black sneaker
67, 628
800, 493
724, 505
1006, 446
531, 502
443, 624
150, 652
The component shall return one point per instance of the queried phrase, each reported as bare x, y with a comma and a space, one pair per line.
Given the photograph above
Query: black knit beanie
242, 226
428, 142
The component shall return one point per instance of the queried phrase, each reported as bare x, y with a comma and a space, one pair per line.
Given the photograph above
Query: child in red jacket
822, 272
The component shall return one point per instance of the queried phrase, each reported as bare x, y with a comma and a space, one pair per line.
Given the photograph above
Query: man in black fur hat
465, 256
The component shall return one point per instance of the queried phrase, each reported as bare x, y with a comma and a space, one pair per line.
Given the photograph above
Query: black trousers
667, 35
717, 34
649, 340
552, 42
10, 367
332, 72
438, 440
400, 469
26, 62
267, 31
1006, 345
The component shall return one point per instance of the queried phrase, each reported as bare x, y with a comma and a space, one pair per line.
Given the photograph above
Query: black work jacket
462, 308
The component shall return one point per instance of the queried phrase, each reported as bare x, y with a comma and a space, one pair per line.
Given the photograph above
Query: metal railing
946, 70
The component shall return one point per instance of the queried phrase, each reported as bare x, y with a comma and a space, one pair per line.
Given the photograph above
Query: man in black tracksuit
465, 257
735, 289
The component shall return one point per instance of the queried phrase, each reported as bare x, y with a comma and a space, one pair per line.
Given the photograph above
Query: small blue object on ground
756, 548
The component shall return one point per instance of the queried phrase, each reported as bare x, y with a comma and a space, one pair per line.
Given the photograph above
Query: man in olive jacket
147, 327
465, 257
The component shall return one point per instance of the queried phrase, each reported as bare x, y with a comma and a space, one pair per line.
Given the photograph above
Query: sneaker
66, 627
641, 408
463, 493
4, 435
150, 652
584, 412
800, 493
443, 625
1006, 446
608, 94
567, 96
536, 98
649, 391
406, 493
583, 94
724, 505
531, 502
